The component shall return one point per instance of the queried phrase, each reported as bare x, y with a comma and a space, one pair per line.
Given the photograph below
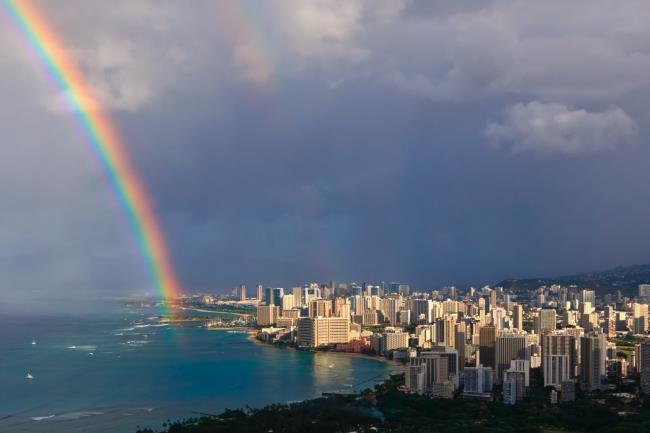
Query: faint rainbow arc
104, 141
238, 19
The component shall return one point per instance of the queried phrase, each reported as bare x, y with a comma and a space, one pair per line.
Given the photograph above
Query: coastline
200, 310
252, 336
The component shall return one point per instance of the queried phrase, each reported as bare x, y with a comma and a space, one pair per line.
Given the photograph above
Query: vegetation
389, 410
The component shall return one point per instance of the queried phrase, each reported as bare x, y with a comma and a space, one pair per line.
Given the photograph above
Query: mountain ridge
623, 278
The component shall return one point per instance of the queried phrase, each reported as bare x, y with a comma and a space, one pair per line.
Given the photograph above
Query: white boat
29, 376
34, 342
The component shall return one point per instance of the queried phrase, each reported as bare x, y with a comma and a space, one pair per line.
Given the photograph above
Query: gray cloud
331, 139
555, 129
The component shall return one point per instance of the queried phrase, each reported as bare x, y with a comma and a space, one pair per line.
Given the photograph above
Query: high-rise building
521, 366
414, 378
568, 391
518, 317
478, 380
545, 321
556, 369
320, 308
644, 363
487, 342
644, 290
260, 292
588, 296
390, 306
446, 331
394, 340
421, 310
593, 350
448, 352
241, 292
297, 296
516, 379
493, 300
273, 296
460, 339
288, 302
589, 321
436, 368
311, 292
508, 347
267, 314
510, 391
561, 344
322, 331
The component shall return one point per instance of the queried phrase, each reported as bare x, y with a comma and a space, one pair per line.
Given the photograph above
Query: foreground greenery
387, 409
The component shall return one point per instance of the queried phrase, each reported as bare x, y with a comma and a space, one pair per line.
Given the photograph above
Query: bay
112, 372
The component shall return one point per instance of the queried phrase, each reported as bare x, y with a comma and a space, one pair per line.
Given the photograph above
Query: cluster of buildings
482, 344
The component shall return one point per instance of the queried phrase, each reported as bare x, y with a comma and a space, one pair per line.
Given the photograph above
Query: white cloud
128, 53
568, 51
556, 129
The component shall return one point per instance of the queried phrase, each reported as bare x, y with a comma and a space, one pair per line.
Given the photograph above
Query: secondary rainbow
103, 139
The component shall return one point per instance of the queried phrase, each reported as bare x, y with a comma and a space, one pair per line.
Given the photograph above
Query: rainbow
103, 139
238, 20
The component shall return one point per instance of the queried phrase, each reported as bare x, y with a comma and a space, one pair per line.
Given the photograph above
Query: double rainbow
103, 139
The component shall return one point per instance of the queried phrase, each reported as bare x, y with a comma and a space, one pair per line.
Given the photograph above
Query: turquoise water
114, 372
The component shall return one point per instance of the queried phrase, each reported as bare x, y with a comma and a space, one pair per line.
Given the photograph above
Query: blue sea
115, 371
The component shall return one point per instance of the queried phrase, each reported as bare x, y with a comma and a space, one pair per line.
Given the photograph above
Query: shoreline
200, 310
252, 336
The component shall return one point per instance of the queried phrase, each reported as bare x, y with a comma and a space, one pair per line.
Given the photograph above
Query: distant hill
623, 278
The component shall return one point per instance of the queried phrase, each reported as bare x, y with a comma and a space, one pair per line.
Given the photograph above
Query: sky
427, 142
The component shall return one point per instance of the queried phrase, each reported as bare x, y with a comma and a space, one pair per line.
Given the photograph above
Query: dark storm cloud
352, 144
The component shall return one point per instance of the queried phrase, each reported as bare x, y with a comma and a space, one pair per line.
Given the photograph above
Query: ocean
116, 371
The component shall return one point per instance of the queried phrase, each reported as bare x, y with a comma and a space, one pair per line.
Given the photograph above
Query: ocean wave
150, 325
136, 342
41, 418
83, 347
78, 415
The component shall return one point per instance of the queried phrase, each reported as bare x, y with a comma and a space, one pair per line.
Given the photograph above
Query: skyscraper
460, 344
478, 380
242, 292
592, 356
588, 296
273, 296
644, 290
518, 317
322, 331
508, 347
421, 308
487, 341
297, 296
556, 369
260, 293
644, 362
560, 344
545, 321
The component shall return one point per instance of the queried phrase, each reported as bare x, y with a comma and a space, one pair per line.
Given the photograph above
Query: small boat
331, 366
29, 376
34, 342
